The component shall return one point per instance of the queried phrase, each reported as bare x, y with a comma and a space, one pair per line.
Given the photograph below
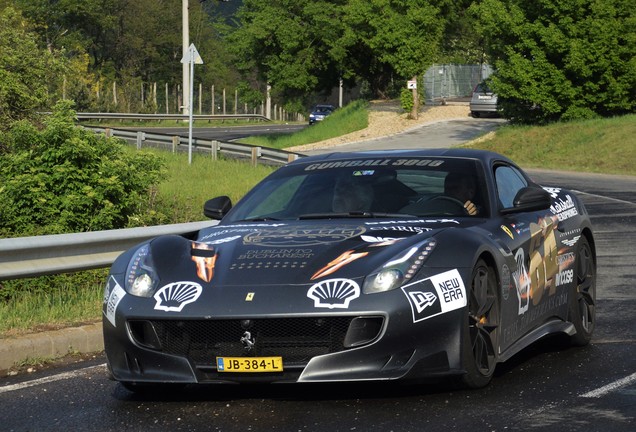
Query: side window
509, 182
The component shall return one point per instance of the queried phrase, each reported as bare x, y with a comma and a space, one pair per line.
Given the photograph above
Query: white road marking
603, 197
602, 391
49, 379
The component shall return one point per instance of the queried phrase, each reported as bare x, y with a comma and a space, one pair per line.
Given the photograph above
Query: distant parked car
483, 101
320, 112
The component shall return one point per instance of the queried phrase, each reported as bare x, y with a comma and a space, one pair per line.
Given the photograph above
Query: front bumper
136, 353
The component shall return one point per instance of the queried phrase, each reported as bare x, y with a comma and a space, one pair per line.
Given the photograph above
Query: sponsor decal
507, 231
276, 264
571, 241
408, 229
564, 209
273, 254
173, 297
413, 221
564, 277
522, 282
565, 260
249, 296
206, 238
505, 282
436, 295
334, 293
204, 256
554, 192
537, 276
341, 261
421, 300
116, 293
223, 240
297, 236
380, 241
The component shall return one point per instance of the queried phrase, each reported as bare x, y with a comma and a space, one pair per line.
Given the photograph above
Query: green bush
66, 179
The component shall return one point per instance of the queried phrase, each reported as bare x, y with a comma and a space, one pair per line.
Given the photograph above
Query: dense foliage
561, 59
554, 59
24, 70
67, 179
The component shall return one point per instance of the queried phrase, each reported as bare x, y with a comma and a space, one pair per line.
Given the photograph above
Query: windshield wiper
370, 215
260, 219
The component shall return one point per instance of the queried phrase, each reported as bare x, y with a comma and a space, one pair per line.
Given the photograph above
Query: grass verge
348, 119
599, 146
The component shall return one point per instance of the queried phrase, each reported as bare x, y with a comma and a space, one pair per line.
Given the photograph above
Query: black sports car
357, 266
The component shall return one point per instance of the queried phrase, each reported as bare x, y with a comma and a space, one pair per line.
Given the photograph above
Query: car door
528, 279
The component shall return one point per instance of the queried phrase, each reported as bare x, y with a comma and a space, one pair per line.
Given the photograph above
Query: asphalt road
548, 387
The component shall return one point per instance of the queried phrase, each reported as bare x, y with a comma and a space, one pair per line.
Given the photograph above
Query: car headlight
400, 269
141, 278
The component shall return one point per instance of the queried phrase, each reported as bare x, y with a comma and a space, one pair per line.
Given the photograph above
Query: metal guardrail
137, 116
22, 257
214, 147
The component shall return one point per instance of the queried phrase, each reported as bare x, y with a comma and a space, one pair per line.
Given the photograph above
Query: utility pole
185, 69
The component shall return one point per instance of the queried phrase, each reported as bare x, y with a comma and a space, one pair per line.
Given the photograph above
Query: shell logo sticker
334, 293
173, 297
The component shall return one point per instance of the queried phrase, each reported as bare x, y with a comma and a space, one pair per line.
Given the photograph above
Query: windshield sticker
334, 293
296, 236
436, 295
374, 163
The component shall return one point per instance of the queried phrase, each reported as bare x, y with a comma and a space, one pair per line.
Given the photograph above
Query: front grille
297, 340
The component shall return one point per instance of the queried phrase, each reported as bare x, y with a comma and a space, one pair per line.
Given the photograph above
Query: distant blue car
320, 112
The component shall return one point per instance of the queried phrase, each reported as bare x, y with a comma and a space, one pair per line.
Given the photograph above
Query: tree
288, 42
561, 59
25, 70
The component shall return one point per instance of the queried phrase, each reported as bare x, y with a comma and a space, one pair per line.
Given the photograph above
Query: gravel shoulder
386, 120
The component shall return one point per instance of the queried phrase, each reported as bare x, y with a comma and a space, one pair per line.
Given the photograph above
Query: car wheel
582, 300
475, 114
480, 329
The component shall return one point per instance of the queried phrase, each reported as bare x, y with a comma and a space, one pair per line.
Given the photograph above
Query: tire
481, 327
582, 296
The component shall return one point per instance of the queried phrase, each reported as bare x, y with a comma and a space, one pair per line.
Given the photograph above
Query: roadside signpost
191, 57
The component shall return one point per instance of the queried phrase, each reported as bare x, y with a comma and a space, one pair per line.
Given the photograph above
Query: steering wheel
454, 201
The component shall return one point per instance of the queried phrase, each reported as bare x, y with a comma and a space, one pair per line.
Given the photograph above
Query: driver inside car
462, 188
352, 194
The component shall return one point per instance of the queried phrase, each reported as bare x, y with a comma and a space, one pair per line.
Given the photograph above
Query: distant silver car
320, 112
483, 101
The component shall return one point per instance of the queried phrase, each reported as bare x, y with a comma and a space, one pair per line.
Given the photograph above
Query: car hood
296, 252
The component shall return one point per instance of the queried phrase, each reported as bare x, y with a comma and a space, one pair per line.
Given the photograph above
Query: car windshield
482, 88
323, 109
386, 187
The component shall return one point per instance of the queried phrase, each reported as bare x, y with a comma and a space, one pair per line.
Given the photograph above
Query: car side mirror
530, 199
218, 207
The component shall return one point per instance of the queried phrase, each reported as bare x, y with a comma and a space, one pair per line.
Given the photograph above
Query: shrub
67, 179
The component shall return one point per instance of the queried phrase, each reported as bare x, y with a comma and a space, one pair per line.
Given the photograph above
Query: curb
52, 344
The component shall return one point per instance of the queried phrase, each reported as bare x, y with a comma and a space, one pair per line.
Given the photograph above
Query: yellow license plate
249, 364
